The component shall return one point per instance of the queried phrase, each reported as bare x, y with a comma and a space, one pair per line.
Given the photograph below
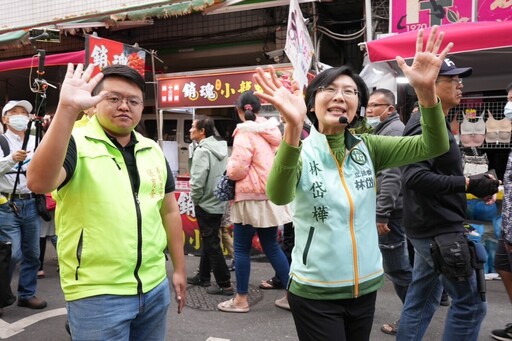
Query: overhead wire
339, 36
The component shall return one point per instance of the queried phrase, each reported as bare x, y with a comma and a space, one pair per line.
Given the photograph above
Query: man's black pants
211, 251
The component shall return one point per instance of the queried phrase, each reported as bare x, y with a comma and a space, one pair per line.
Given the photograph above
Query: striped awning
14, 39
20, 38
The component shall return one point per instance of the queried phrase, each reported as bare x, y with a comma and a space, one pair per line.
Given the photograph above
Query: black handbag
42, 210
225, 189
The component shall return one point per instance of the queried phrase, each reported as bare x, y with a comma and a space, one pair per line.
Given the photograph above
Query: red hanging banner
104, 52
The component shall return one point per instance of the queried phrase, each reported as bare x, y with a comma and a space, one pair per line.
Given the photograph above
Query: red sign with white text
191, 234
104, 52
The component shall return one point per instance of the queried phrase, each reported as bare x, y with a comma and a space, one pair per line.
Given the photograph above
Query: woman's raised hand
425, 67
77, 87
290, 104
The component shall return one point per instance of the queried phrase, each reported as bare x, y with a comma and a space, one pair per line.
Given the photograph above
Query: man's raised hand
77, 87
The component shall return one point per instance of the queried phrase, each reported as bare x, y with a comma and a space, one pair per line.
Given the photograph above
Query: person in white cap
19, 220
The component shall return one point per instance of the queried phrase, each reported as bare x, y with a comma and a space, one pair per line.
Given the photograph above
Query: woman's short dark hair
326, 78
207, 124
249, 104
124, 72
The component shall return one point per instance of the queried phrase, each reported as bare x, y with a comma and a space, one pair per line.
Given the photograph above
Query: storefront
212, 93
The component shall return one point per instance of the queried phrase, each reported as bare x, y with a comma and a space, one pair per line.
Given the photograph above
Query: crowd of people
353, 206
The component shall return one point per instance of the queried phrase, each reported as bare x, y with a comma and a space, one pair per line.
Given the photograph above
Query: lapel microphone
343, 120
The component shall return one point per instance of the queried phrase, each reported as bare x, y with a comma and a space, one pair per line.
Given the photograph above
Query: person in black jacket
381, 114
434, 208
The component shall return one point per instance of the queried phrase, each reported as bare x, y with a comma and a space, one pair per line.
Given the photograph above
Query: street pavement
200, 321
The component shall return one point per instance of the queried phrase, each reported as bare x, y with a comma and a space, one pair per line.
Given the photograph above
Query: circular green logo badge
358, 156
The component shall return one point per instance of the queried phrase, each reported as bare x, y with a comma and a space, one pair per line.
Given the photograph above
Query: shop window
168, 133
187, 124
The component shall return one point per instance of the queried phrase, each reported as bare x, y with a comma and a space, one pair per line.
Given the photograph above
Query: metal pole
316, 47
158, 113
159, 128
368, 19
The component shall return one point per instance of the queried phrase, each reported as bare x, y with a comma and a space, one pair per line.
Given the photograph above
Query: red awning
467, 37
51, 60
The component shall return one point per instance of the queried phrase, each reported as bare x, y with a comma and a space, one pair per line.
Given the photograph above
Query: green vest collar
94, 130
337, 141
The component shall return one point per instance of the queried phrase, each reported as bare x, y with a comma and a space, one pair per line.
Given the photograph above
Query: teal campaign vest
336, 241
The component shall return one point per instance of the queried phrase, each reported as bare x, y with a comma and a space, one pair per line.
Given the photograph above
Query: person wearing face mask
381, 114
19, 221
381, 106
503, 256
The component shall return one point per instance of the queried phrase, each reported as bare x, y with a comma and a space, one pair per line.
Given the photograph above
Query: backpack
41, 206
5, 145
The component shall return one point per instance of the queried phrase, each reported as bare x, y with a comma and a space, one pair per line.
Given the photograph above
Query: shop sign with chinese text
104, 52
211, 89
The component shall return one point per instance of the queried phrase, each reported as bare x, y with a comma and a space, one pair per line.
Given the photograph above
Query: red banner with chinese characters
211, 89
191, 233
104, 52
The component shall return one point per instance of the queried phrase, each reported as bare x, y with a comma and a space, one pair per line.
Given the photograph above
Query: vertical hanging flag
104, 52
298, 47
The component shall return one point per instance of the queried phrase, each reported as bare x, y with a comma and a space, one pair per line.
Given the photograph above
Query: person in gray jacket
382, 116
208, 164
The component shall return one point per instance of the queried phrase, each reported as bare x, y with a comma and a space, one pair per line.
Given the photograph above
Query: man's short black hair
122, 71
207, 124
388, 95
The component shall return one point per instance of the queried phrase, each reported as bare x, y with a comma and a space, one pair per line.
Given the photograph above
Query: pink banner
467, 37
411, 15
494, 10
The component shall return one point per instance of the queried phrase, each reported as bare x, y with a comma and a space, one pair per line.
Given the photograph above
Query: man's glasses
457, 81
331, 91
375, 105
115, 99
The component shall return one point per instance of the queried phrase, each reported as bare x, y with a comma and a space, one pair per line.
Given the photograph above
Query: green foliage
361, 128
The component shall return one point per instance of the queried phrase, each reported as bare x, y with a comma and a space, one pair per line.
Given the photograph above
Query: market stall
487, 48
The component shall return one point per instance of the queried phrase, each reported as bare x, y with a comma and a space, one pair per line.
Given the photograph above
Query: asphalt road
201, 322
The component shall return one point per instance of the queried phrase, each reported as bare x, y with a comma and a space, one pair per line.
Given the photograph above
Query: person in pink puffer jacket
255, 141
251, 160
